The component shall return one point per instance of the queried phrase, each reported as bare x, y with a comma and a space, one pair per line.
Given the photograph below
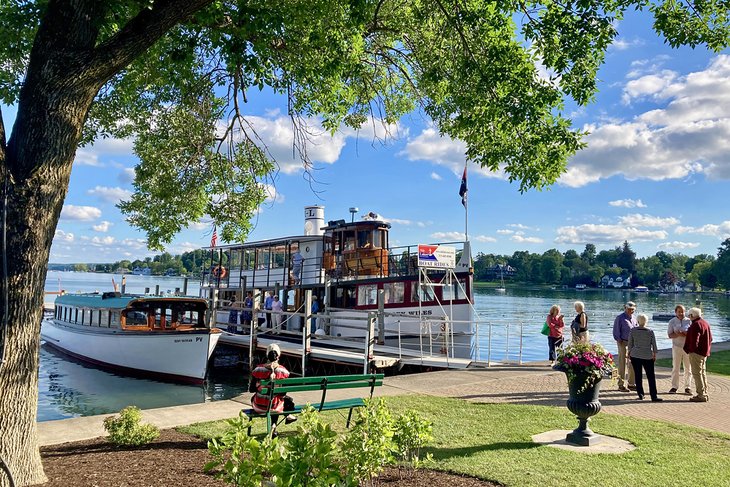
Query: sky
656, 172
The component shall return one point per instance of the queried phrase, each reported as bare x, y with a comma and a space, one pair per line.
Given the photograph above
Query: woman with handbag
555, 326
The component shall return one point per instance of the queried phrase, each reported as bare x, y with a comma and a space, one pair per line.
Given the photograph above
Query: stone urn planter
584, 403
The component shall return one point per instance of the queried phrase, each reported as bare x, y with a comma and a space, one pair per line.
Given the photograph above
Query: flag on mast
463, 189
214, 237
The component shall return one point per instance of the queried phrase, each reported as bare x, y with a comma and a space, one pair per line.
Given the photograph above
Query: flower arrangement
589, 360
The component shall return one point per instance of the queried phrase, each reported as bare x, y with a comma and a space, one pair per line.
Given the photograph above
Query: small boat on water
662, 316
642, 289
160, 336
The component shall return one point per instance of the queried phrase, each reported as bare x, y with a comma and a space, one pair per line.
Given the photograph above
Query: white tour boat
422, 293
165, 337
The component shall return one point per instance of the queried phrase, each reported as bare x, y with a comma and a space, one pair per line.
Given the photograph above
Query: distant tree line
659, 271
189, 263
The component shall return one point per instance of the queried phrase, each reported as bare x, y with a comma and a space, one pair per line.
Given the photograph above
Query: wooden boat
164, 337
350, 268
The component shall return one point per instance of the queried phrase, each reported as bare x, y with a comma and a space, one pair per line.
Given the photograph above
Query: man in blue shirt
622, 326
267, 307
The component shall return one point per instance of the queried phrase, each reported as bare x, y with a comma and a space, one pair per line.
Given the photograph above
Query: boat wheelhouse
352, 270
159, 336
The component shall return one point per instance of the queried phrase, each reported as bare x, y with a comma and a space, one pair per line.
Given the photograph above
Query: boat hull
178, 356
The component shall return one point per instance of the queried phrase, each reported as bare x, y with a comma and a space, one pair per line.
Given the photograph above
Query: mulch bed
177, 459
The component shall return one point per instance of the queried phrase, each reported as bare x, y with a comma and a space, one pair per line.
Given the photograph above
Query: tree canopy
471, 66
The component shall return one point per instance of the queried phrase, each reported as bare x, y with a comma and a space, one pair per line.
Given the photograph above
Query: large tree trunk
65, 71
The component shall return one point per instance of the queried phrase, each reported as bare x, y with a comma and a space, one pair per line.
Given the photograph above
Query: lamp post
353, 210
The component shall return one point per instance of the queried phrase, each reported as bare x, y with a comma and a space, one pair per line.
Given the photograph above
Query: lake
70, 388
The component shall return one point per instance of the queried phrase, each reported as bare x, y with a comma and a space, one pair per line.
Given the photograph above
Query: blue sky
655, 173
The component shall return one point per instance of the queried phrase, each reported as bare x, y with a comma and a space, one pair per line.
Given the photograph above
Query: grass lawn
717, 363
493, 442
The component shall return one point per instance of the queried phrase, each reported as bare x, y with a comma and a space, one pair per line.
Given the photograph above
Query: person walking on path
276, 308
622, 326
677, 331
267, 307
579, 326
642, 353
697, 344
555, 337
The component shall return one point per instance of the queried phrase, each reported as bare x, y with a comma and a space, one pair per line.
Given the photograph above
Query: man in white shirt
677, 331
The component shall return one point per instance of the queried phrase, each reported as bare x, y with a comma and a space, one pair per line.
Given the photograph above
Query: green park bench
324, 384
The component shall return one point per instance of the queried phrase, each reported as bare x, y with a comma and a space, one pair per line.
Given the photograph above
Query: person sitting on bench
271, 370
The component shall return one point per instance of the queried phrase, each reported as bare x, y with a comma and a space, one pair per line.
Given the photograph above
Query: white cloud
102, 227
61, 236
628, 203
449, 236
521, 239
436, 176
689, 133
126, 176
272, 195
112, 195
484, 238
80, 213
639, 220
108, 240
721, 230
606, 234
278, 134
90, 156
520, 226
135, 243
505, 232
444, 151
622, 44
676, 245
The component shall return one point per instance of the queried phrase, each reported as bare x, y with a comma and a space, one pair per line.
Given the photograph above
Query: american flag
463, 190
214, 237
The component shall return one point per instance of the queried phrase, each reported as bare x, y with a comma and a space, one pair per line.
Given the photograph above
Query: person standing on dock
315, 310
677, 331
296, 266
247, 313
622, 326
267, 307
277, 308
697, 344
555, 337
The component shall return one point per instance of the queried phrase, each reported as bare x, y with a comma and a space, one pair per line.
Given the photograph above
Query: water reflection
69, 388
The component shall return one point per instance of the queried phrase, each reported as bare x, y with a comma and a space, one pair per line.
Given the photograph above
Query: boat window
114, 318
278, 257
262, 258
422, 294
394, 292
248, 258
363, 238
234, 261
94, 317
367, 294
76, 315
135, 318
455, 291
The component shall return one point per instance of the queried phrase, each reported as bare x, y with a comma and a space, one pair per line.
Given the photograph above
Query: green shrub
310, 457
127, 428
368, 446
412, 432
242, 459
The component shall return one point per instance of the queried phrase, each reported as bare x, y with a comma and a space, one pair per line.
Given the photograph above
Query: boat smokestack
314, 220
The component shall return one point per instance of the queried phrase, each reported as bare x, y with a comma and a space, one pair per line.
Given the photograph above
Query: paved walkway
527, 384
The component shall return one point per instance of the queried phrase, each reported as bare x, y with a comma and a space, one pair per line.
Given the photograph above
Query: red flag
214, 237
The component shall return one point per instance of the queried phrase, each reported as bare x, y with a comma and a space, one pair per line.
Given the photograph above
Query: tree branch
140, 33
